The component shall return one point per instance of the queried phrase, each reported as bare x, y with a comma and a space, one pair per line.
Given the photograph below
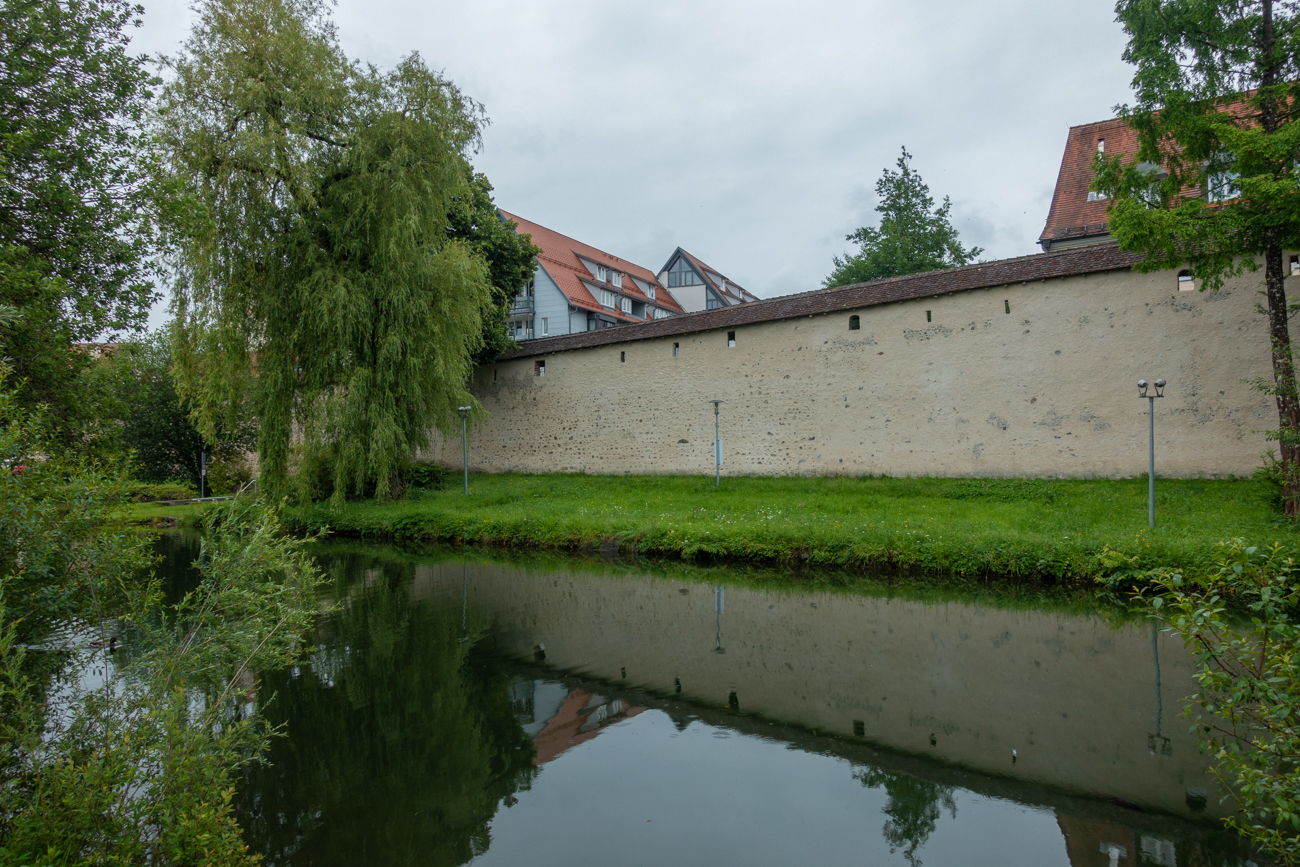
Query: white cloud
752, 133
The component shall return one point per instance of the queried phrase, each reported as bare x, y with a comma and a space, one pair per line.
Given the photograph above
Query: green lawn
1007, 528
155, 514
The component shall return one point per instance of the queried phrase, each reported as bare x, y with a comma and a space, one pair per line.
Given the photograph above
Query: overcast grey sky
752, 134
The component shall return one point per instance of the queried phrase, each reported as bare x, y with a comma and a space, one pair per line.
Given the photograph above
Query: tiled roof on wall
1040, 266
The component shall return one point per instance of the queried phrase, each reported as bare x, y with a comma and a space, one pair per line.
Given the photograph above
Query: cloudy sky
752, 134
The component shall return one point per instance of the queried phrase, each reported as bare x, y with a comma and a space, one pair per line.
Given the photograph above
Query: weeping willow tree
316, 265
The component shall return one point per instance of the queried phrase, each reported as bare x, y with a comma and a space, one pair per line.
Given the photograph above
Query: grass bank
1003, 528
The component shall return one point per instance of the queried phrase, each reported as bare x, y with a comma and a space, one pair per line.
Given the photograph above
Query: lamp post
1151, 450
464, 442
717, 447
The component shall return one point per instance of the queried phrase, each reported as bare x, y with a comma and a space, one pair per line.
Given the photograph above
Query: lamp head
1142, 388
1160, 388
463, 410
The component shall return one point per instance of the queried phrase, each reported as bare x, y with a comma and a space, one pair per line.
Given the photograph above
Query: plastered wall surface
1047, 389
1080, 701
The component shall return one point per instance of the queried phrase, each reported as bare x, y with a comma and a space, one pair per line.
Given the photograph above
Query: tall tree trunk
1288, 407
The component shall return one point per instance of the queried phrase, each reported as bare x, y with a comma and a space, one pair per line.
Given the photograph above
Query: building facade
578, 288
697, 287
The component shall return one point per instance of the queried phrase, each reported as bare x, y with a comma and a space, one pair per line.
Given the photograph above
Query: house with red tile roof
1078, 214
697, 287
577, 287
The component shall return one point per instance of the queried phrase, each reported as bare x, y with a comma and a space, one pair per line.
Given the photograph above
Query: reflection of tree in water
912, 808
401, 744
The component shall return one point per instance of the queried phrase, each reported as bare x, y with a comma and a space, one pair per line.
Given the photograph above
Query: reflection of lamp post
1151, 463
464, 441
717, 604
464, 601
717, 447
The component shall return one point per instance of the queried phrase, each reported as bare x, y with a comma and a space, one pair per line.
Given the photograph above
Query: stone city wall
1029, 379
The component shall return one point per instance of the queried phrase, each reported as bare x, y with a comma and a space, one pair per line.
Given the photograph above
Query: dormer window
606, 298
650, 292
682, 274
616, 279
625, 304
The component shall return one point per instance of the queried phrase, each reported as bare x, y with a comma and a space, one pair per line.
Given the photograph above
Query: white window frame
545, 326
616, 279
625, 304
607, 298
602, 273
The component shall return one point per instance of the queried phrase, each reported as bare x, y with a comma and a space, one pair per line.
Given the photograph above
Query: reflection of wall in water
1076, 699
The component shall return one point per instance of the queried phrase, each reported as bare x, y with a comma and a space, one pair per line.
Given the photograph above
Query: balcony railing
521, 305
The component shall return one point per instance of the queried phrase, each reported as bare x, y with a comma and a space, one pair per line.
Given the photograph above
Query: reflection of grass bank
1028, 529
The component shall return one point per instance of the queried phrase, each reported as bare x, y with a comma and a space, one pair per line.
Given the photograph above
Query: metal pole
203, 474
717, 458
1151, 463
464, 448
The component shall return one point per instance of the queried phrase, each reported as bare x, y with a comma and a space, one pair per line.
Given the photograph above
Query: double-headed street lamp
464, 441
1151, 452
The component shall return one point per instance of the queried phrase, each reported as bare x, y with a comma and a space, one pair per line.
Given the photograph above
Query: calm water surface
499, 713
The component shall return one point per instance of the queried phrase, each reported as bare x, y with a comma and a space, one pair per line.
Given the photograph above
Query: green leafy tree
1246, 709
913, 235
475, 220
1213, 187
319, 253
75, 191
155, 425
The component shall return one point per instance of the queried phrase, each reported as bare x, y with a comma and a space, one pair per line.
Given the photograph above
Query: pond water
464, 709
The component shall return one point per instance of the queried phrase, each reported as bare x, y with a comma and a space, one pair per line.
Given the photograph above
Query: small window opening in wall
1101, 145
731, 338
854, 323
539, 368
622, 356
677, 349
1295, 266
1007, 305
928, 317
494, 375
1185, 281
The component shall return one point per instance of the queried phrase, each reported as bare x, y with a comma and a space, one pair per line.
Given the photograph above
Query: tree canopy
1213, 187
913, 235
319, 253
75, 192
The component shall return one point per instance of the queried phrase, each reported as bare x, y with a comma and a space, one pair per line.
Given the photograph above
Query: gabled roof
561, 258
723, 286
1094, 259
1072, 216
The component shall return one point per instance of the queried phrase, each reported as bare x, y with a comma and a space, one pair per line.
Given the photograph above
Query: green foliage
474, 219
75, 197
911, 526
320, 240
913, 235
1246, 710
146, 492
157, 429
428, 477
138, 769
74, 191
1214, 185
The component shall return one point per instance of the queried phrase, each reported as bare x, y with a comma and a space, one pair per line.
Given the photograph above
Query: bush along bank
1050, 531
